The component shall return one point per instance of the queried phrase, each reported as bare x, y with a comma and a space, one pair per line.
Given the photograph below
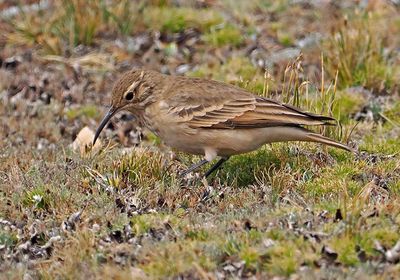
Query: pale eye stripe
131, 87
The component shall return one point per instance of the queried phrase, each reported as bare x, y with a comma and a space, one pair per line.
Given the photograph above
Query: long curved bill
103, 123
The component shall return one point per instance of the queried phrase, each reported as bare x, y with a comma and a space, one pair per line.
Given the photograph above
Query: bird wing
236, 108
268, 112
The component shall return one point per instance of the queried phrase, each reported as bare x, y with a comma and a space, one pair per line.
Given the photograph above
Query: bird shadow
242, 170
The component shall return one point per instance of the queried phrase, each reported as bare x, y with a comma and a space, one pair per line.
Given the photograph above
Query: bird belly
183, 142
225, 142
229, 142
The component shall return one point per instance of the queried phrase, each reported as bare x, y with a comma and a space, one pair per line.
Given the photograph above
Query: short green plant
358, 50
37, 198
224, 35
176, 19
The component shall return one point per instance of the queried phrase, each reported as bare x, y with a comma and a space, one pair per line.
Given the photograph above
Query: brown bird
210, 118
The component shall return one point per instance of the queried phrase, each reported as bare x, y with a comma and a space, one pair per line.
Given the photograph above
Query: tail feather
314, 137
297, 133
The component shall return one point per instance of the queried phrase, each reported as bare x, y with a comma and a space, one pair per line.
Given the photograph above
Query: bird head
130, 93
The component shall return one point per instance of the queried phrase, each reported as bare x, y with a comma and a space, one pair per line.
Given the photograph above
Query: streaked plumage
211, 118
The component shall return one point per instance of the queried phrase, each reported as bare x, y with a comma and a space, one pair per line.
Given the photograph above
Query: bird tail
314, 137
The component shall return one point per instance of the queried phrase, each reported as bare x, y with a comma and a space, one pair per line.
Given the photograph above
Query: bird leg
201, 163
194, 167
216, 166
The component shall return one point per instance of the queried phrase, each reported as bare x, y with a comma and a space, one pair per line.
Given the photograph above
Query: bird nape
210, 118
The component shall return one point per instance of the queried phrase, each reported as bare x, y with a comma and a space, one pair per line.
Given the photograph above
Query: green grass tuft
223, 36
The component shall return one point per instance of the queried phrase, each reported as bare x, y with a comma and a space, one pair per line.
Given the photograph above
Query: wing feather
236, 108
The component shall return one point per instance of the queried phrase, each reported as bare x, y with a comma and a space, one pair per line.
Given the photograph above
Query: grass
224, 35
236, 70
89, 111
124, 212
75, 22
78, 22
362, 53
171, 19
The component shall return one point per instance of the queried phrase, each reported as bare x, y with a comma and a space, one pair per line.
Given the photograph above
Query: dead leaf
84, 140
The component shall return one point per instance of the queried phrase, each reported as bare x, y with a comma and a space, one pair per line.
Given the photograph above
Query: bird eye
129, 95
